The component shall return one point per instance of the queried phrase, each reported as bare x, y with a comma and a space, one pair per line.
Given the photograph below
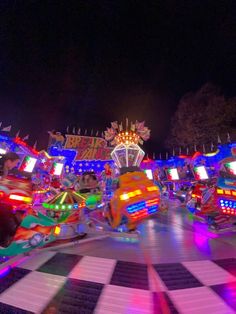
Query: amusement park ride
136, 197
52, 209
57, 200
214, 199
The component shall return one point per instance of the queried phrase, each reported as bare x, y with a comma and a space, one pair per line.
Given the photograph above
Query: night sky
87, 63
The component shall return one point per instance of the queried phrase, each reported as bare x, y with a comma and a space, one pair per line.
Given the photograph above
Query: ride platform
173, 265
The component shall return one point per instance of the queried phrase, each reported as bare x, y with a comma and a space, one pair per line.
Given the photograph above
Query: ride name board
88, 148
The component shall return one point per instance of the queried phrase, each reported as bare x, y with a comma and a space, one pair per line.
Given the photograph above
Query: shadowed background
86, 63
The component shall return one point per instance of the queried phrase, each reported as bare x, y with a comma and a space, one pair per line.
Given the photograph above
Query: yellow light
211, 154
219, 191
134, 193
152, 188
124, 197
234, 193
63, 198
57, 230
20, 198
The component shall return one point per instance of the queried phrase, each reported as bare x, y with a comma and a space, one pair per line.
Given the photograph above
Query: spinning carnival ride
136, 197
60, 218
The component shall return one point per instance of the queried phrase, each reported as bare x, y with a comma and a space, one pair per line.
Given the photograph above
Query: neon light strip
63, 198
20, 198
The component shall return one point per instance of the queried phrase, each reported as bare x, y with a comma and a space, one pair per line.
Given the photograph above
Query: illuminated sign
172, 174
200, 173
231, 167
87, 148
149, 174
57, 168
28, 164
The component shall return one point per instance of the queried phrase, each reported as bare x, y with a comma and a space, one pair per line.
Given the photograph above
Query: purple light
5, 271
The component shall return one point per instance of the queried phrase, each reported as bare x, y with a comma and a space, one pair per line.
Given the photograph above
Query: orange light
57, 230
152, 188
227, 192
152, 202
219, 191
234, 193
81, 205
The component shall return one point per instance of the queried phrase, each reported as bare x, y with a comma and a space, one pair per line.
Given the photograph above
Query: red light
2, 194
152, 202
139, 214
81, 205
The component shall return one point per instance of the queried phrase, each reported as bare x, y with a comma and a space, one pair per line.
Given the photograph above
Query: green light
91, 201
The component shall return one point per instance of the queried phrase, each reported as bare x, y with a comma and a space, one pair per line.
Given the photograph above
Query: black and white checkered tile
67, 283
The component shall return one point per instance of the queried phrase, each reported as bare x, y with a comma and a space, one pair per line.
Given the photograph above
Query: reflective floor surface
176, 265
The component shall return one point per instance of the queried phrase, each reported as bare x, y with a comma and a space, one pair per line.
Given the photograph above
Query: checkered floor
54, 282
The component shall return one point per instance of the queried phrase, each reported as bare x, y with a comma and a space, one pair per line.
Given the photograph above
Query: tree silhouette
201, 117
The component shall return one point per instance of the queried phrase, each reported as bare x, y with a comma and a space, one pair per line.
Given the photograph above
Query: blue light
152, 209
226, 203
135, 207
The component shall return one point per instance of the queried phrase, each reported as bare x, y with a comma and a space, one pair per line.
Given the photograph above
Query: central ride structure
136, 197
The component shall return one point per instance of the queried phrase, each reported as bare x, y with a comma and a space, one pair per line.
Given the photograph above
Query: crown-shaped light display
127, 137
127, 153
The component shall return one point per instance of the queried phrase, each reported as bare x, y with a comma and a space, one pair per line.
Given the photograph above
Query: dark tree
201, 117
